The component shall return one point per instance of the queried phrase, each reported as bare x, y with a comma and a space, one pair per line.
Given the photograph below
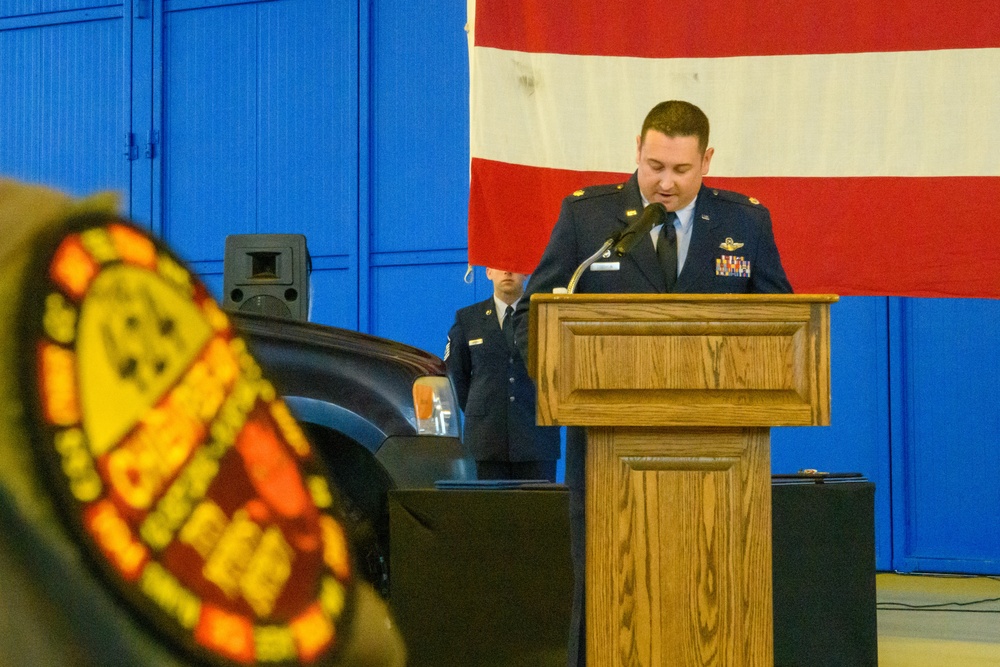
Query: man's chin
511, 295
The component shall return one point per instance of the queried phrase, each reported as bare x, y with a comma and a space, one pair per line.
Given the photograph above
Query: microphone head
651, 216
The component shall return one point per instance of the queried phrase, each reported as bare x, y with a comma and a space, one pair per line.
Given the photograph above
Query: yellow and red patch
183, 474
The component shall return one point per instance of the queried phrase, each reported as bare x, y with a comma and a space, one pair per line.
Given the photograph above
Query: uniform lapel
643, 255
491, 325
700, 252
489, 311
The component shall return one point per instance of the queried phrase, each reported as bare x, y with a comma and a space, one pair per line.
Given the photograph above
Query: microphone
651, 216
623, 242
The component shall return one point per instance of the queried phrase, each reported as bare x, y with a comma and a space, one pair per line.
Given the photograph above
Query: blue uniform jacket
494, 391
732, 248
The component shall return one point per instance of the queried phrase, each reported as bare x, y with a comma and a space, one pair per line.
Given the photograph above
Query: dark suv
382, 414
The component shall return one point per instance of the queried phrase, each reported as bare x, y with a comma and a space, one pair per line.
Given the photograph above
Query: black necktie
666, 250
508, 326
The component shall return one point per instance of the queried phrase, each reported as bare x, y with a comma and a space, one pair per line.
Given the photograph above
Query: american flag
868, 129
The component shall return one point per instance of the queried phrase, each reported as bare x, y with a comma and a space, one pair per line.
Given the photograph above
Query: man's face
506, 285
670, 168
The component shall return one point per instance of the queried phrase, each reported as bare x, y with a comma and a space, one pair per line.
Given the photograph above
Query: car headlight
434, 406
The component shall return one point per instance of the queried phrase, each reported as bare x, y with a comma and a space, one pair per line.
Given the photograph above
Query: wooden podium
678, 393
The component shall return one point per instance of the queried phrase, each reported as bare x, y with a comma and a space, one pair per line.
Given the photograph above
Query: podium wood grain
678, 393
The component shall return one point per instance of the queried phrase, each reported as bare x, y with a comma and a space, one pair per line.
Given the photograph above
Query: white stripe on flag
911, 113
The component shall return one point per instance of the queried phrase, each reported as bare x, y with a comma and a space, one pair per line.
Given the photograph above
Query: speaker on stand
267, 274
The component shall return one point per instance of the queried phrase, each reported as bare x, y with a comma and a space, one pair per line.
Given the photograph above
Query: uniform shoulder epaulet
596, 191
473, 309
735, 197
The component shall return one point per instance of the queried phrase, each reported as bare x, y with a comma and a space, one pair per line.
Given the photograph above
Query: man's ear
706, 160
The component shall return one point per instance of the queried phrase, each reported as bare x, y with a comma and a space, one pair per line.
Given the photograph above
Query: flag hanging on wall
870, 131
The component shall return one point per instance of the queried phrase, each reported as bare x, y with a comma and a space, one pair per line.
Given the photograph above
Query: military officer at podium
712, 241
494, 391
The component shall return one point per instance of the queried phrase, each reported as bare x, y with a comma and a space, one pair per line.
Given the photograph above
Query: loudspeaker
267, 274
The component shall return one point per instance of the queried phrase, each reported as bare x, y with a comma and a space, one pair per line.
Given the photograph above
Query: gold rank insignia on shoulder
729, 245
754, 200
630, 212
578, 193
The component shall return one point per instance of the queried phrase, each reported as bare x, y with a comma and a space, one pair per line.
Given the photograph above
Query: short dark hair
676, 118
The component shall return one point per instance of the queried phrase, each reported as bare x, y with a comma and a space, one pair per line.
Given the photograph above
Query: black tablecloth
482, 578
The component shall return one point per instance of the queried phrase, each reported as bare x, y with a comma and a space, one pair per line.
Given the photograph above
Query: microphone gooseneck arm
624, 241
587, 262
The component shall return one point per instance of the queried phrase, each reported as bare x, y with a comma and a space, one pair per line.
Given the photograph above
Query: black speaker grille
266, 305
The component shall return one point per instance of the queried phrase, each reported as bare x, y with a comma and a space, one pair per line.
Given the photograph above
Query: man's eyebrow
682, 165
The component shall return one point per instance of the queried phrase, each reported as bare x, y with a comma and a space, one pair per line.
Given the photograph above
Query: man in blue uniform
494, 391
712, 241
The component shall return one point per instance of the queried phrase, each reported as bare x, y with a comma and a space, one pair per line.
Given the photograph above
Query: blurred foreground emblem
181, 473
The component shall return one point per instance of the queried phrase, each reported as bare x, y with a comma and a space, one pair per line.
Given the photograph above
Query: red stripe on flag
848, 236
512, 210
883, 236
720, 28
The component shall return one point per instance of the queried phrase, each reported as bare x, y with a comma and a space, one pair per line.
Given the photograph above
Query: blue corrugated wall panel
260, 114
308, 142
34, 7
945, 453
417, 302
333, 287
209, 128
63, 118
419, 170
420, 127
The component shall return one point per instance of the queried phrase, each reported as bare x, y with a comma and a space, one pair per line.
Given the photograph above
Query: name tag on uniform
475, 341
605, 266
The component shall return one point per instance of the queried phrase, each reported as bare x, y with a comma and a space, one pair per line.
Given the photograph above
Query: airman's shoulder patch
181, 473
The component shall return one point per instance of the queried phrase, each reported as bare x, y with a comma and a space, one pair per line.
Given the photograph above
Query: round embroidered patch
181, 473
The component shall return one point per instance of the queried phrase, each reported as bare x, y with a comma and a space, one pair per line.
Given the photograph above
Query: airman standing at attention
494, 391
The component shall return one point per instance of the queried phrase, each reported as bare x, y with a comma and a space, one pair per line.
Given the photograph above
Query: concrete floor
932, 633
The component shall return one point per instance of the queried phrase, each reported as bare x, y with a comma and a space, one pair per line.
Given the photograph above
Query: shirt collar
501, 306
685, 216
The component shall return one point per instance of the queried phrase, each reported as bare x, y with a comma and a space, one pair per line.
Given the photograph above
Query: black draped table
483, 578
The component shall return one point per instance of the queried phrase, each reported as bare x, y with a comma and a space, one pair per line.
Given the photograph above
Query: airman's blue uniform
494, 391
